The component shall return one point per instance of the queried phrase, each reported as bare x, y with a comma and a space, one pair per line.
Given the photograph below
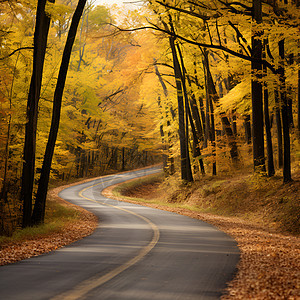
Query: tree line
221, 37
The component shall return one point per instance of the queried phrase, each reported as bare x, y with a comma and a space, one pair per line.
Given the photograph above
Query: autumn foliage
177, 81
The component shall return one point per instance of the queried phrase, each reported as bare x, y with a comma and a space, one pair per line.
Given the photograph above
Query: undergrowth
56, 217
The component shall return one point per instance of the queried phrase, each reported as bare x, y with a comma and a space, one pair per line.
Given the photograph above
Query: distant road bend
136, 253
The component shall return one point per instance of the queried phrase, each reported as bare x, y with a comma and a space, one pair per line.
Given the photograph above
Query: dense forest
207, 87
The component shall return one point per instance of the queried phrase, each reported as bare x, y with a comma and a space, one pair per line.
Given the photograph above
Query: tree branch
112, 95
15, 51
240, 36
209, 46
191, 13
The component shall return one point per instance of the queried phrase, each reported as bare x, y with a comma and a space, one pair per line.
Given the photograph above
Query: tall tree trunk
271, 169
213, 137
202, 113
186, 172
39, 208
194, 109
299, 100
201, 105
195, 133
278, 128
198, 136
168, 162
287, 176
3, 192
257, 100
207, 119
224, 119
210, 121
298, 60
28, 171
164, 156
196, 116
188, 115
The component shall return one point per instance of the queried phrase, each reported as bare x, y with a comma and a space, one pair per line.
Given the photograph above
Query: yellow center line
88, 285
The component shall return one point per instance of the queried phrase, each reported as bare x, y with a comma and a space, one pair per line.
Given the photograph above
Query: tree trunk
195, 110
247, 126
207, 119
39, 208
224, 119
195, 133
271, 169
184, 162
234, 127
287, 177
123, 159
196, 116
201, 105
188, 115
299, 101
28, 171
197, 151
257, 101
278, 128
290, 109
213, 137
167, 161
3, 193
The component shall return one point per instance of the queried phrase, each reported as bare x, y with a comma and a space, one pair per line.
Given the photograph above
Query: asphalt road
136, 253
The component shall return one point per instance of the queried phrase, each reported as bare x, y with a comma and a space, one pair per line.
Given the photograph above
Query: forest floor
258, 213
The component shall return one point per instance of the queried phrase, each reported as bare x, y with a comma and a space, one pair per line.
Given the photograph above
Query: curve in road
136, 253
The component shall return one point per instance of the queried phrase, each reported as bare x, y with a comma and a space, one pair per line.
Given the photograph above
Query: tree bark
271, 169
278, 128
188, 116
224, 119
186, 172
167, 160
257, 100
195, 133
299, 102
247, 126
287, 176
213, 137
28, 171
39, 208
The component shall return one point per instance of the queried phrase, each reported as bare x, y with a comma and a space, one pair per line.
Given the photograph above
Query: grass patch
56, 218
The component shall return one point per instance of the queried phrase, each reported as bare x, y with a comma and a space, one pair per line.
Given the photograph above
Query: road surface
136, 253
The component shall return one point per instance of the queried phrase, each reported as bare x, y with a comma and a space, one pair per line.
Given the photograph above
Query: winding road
136, 253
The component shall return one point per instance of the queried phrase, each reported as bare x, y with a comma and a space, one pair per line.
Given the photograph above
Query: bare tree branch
15, 51
112, 95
